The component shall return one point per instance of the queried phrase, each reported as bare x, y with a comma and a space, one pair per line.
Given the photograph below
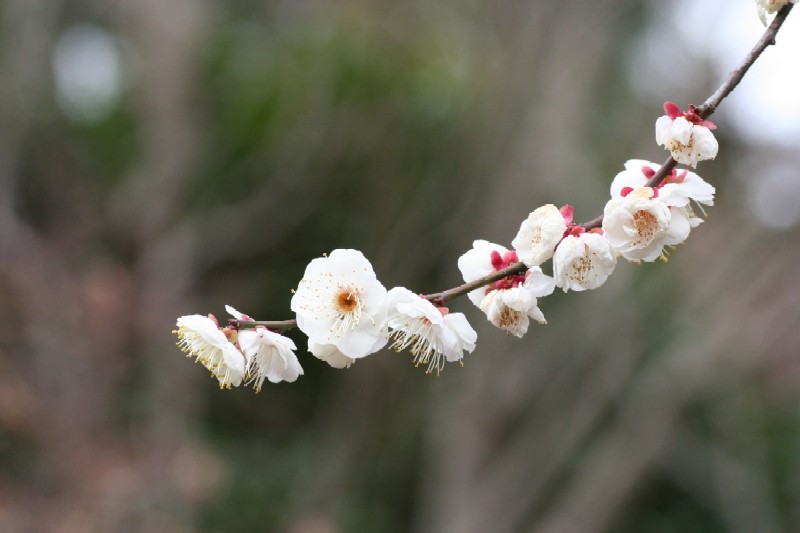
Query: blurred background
167, 157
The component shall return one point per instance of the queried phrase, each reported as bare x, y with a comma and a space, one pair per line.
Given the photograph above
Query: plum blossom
433, 334
511, 301
768, 7
679, 189
201, 337
686, 135
540, 233
639, 224
583, 260
268, 355
340, 302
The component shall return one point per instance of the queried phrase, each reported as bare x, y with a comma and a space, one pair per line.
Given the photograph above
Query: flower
686, 135
583, 260
768, 7
269, 355
677, 189
510, 301
340, 302
331, 354
200, 337
639, 224
433, 333
510, 309
540, 233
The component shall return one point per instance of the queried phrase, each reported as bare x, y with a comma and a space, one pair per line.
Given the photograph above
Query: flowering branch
348, 314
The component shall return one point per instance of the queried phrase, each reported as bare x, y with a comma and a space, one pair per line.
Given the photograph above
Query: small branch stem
516, 268
710, 105
705, 110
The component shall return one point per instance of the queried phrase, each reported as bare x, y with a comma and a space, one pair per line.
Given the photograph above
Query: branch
709, 106
705, 110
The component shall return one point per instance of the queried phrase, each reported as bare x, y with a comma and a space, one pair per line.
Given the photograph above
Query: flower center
419, 335
346, 301
582, 268
510, 319
348, 306
537, 236
646, 226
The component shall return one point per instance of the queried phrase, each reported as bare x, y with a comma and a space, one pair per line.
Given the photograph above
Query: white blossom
768, 7
678, 190
687, 136
583, 261
510, 301
200, 337
433, 334
340, 302
511, 309
331, 354
539, 234
639, 224
268, 355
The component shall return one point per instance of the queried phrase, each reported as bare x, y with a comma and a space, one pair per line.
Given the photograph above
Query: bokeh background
167, 157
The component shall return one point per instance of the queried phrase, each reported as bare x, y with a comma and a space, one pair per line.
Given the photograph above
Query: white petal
235, 314
538, 283
679, 226
539, 234
681, 130
663, 127
705, 144
330, 354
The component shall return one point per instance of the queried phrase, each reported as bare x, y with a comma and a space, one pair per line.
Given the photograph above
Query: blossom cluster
347, 313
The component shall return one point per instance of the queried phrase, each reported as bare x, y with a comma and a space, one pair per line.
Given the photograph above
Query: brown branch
705, 110
710, 105
441, 297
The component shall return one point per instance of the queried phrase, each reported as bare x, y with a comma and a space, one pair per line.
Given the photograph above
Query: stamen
348, 306
646, 226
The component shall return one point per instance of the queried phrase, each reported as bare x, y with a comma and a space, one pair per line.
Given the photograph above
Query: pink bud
567, 212
576, 230
510, 257
497, 261
672, 110
648, 172
212, 317
625, 191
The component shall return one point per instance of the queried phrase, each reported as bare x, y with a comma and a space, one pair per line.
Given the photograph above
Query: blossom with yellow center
511, 301
686, 135
583, 260
200, 337
540, 233
433, 334
639, 224
340, 302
